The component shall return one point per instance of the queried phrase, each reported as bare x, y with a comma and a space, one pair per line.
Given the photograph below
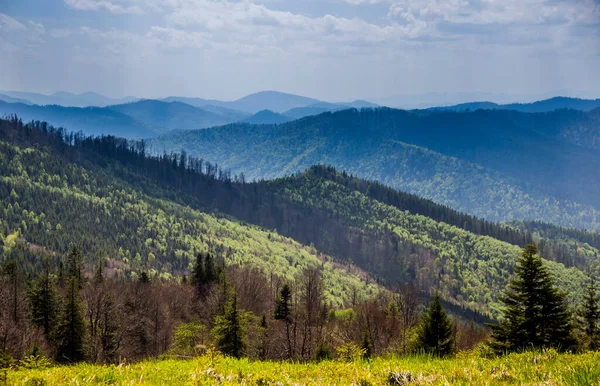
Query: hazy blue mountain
9, 99
267, 117
67, 99
166, 116
534, 107
253, 103
360, 104
322, 107
301, 112
89, 120
270, 100
502, 165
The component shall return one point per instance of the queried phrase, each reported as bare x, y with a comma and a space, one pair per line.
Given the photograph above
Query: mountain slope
500, 165
90, 120
58, 198
125, 200
163, 116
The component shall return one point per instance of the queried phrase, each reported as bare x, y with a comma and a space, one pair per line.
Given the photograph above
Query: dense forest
109, 252
499, 165
158, 212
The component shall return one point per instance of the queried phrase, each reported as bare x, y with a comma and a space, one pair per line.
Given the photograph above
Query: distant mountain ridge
267, 117
67, 99
89, 120
534, 107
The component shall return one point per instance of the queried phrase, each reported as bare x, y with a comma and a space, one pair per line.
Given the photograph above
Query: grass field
541, 368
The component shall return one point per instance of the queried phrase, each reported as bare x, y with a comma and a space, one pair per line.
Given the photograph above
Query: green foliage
535, 312
350, 352
528, 368
435, 331
189, 339
6, 363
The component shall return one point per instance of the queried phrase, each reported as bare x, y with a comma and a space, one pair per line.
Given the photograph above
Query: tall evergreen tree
283, 311
210, 269
283, 304
198, 274
591, 316
535, 313
69, 335
42, 298
229, 329
74, 266
435, 332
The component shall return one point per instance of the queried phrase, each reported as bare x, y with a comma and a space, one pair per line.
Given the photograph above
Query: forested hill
106, 194
500, 165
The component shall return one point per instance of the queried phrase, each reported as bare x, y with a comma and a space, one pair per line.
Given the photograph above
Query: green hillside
157, 213
51, 203
500, 165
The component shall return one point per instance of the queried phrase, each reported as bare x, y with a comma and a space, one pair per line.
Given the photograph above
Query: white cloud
115, 6
37, 28
7, 23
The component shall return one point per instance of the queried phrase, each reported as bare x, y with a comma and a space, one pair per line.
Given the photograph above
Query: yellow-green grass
531, 368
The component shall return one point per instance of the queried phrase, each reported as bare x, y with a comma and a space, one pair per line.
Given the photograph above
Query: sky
336, 50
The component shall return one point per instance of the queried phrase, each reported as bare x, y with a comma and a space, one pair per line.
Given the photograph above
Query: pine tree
70, 330
74, 266
591, 316
42, 298
229, 329
535, 313
283, 311
210, 269
283, 303
435, 332
198, 274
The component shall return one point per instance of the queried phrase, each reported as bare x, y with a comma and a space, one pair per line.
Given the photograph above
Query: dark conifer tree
229, 329
69, 334
535, 313
591, 316
435, 332
283, 304
74, 267
210, 269
283, 311
198, 276
42, 298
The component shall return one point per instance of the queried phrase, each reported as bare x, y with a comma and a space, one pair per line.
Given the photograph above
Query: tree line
73, 312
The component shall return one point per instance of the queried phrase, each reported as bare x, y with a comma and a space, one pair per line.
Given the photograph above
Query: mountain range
534, 107
497, 164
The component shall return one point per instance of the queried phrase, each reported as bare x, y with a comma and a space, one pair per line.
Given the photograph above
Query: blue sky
328, 49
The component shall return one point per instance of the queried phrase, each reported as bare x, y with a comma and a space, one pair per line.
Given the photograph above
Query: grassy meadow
529, 368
